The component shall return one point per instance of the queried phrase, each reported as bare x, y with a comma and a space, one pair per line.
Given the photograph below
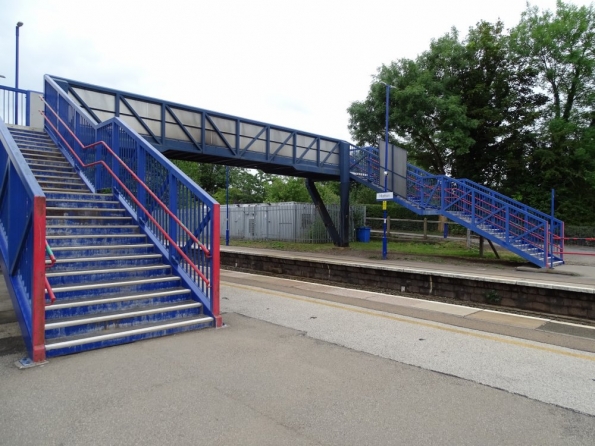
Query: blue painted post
227, 205
173, 207
16, 78
384, 238
344, 178
507, 224
552, 226
445, 230
28, 109
473, 208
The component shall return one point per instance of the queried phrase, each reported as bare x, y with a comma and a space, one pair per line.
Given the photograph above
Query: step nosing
115, 299
106, 271
102, 259
66, 289
96, 247
120, 315
123, 334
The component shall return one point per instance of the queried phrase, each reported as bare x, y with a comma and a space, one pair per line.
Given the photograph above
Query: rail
48, 287
14, 105
176, 214
22, 242
469, 203
200, 132
129, 193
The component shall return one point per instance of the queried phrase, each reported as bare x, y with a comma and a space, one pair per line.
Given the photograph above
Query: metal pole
553, 228
384, 238
16, 77
227, 205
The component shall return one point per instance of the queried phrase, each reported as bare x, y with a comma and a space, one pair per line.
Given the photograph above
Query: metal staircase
111, 285
529, 233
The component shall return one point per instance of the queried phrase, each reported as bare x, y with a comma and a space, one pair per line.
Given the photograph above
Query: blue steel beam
194, 133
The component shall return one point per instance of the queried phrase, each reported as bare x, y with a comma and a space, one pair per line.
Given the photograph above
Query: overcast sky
296, 63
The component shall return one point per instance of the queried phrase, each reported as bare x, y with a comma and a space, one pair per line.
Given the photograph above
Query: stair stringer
197, 294
434, 211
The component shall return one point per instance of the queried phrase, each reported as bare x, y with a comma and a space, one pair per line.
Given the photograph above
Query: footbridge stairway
102, 244
529, 233
108, 284
185, 132
133, 243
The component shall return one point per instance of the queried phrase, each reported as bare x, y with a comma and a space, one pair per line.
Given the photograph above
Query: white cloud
296, 63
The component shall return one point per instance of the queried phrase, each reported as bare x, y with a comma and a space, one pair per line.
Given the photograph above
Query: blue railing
556, 225
22, 242
14, 105
528, 232
179, 217
176, 127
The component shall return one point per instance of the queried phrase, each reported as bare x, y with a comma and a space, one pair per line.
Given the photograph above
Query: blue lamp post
227, 205
16, 77
384, 237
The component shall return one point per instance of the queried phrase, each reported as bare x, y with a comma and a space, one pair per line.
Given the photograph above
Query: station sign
384, 196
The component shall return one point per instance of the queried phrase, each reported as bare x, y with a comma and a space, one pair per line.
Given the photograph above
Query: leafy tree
287, 189
210, 177
463, 107
561, 46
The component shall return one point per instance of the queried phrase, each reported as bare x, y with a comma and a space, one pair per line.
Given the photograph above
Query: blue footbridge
104, 241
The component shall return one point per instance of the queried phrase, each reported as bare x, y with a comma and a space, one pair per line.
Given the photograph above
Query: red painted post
38, 288
216, 266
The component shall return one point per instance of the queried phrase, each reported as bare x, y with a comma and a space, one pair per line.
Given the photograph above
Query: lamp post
384, 237
16, 77
227, 205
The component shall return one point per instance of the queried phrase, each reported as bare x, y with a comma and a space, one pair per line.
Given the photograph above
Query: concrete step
96, 289
95, 239
122, 335
94, 323
114, 302
82, 230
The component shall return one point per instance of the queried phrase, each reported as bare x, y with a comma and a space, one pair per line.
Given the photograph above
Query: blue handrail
15, 105
194, 214
22, 242
516, 226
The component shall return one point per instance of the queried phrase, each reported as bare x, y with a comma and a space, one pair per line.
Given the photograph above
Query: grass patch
373, 249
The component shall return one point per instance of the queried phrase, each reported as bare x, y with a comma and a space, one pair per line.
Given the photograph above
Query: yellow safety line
414, 322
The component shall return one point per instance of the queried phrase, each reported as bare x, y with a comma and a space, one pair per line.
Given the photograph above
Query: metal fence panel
292, 222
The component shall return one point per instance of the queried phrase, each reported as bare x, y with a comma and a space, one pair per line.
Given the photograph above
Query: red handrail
49, 290
48, 250
148, 214
48, 287
123, 164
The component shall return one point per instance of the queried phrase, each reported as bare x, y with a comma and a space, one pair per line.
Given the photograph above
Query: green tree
561, 46
285, 189
210, 177
463, 107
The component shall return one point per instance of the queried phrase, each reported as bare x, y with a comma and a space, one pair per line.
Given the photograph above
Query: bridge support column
344, 207
326, 218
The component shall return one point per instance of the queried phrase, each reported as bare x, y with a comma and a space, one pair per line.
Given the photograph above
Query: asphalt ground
296, 365
258, 383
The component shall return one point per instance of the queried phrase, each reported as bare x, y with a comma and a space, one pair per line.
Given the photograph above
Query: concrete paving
538, 370
308, 364
257, 383
569, 275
